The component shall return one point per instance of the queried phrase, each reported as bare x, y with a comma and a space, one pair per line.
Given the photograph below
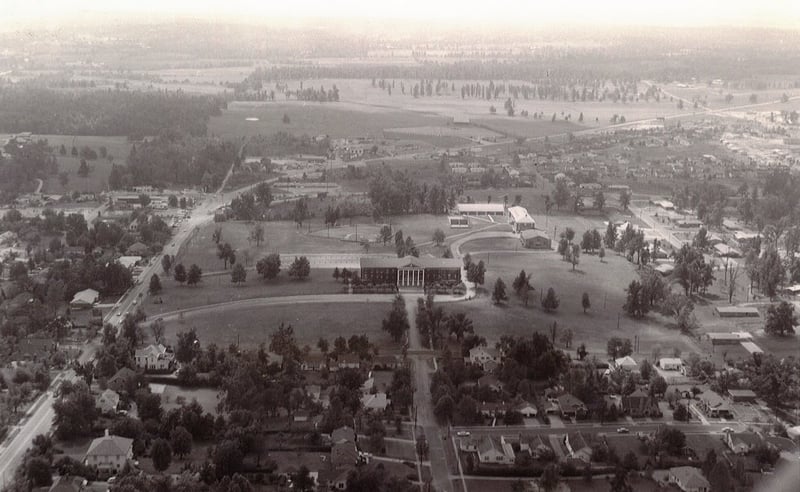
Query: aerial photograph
434, 246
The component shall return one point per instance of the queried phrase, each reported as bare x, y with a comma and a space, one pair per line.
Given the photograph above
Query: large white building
519, 219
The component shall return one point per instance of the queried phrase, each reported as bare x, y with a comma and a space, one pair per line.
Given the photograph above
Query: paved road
40, 418
425, 420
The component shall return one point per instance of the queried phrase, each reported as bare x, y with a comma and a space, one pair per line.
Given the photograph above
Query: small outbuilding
535, 239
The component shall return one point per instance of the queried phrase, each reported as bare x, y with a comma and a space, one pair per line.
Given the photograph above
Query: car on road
462, 433
119, 313
134, 302
622, 430
727, 429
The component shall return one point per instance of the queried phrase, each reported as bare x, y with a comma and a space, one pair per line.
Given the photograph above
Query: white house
84, 299
109, 453
107, 401
626, 363
480, 355
377, 402
528, 410
154, 358
670, 363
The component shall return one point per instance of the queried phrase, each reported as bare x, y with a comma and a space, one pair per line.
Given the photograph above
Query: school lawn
214, 289
97, 180
605, 282
253, 325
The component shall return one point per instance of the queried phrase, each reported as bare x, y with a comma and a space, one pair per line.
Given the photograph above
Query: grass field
215, 289
97, 180
176, 396
252, 326
604, 282
333, 119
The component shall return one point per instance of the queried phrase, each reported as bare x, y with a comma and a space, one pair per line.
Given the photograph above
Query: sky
601, 13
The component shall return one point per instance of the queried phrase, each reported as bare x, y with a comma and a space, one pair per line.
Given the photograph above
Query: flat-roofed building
737, 312
410, 271
476, 209
458, 222
724, 338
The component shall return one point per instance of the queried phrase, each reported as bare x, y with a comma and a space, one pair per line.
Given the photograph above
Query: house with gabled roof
154, 357
577, 447
742, 442
688, 479
109, 453
123, 380
495, 451
640, 404
570, 407
714, 405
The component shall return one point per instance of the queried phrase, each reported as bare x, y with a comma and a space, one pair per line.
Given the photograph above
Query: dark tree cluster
110, 112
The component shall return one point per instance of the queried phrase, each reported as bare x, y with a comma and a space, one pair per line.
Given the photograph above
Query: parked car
462, 433
622, 430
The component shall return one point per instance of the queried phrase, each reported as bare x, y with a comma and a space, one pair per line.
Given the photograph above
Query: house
577, 447
468, 444
742, 442
129, 262
570, 407
84, 299
343, 434
640, 404
474, 209
670, 363
344, 454
742, 395
386, 362
528, 410
109, 454
348, 361
536, 446
123, 380
535, 239
138, 249
492, 409
313, 361
688, 479
107, 401
736, 312
343, 451
626, 363
714, 405
494, 451
458, 222
377, 402
613, 401
154, 357
481, 355
68, 483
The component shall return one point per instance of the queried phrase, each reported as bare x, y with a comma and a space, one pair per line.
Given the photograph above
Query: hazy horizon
500, 14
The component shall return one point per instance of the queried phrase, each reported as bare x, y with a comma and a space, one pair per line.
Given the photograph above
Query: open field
281, 237
333, 119
251, 326
604, 282
527, 127
215, 289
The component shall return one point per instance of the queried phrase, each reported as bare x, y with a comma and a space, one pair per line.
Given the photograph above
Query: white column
398, 277
423, 278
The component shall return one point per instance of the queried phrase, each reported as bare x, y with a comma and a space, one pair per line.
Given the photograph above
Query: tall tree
499, 293
194, 275
585, 303
179, 273
270, 266
396, 322
161, 453
780, 319
155, 284
238, 274
300, 268
550, 302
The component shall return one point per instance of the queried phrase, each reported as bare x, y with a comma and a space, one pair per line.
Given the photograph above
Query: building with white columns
410, 271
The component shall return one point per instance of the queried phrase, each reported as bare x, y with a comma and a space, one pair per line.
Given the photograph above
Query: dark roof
409, 262
110, 446
531, 233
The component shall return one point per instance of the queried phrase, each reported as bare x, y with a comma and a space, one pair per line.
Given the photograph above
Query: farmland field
253, 325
